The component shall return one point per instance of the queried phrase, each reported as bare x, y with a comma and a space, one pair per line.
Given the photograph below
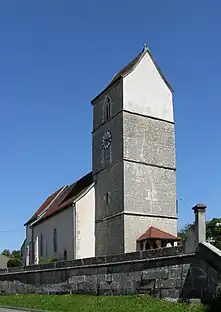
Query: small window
55, 240
46, 249
65, 255
41, 245
107, 115
107, 199
107, 108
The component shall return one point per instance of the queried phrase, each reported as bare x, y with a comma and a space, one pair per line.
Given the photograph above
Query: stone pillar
200, 223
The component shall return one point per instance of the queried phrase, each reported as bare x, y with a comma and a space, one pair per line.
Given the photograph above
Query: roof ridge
127, 69
162, 231
76, 186
134, 62
51, 204
158, 232
45, 204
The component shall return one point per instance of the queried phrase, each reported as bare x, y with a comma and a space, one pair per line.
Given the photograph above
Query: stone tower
134, 163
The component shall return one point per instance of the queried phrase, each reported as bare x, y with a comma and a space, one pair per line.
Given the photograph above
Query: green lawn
86, 303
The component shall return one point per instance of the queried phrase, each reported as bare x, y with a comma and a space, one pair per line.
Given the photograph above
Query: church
128, 201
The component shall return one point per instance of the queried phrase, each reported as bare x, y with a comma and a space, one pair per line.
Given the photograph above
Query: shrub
43, 261
52, 260
12, 263
214, 304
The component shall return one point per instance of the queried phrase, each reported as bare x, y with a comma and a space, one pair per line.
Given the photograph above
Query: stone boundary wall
166, 272
161, 272
211, 255
209, 259
108, 260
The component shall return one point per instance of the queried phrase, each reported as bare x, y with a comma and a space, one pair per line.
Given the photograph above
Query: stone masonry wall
160, 272
166, 272
148, 140
209, 259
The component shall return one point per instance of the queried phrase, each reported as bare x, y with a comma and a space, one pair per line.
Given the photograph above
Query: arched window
55, 240
107, 108
65, 254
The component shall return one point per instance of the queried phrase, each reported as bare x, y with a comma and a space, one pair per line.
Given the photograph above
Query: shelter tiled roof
154, 233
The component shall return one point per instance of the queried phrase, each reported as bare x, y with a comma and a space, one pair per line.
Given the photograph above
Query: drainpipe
32, 246
74, 230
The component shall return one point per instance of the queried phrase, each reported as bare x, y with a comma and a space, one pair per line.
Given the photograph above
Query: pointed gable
130, 67
154, 233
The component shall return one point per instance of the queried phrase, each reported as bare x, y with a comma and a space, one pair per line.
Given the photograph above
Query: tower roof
130, 67
154, 233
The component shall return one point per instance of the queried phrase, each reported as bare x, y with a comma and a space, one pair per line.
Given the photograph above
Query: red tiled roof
154, 233
44, 205
55, 206
70, 201
62, 201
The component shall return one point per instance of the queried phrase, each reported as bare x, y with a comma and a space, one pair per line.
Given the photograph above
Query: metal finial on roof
145, 46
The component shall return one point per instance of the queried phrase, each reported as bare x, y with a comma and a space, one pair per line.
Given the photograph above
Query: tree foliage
213, 232
6, 253
14, 254
12, 263
183, 232
15, 257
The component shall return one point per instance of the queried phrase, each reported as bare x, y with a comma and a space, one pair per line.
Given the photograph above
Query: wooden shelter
155, 238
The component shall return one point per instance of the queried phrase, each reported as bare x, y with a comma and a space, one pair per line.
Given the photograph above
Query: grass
85, 303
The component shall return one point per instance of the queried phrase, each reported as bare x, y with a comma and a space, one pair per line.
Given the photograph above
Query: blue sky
56, 56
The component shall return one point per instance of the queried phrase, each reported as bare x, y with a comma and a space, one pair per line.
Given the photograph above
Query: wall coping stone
210, 254
6, 273
212, 248
95, 261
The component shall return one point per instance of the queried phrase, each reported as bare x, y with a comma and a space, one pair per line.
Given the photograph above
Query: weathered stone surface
120, 277
178, 276
170, 293
194, 301
96, 261
169, 283
158, 273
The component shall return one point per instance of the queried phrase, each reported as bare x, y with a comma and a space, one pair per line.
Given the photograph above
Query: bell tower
134, 164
